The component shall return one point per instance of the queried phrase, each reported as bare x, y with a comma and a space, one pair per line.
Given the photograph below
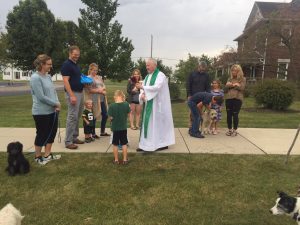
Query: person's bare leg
138, 110
124, 149
48, 149
131, 115
116, 154
38, 151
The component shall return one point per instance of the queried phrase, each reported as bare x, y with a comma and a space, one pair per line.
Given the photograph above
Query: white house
15, 74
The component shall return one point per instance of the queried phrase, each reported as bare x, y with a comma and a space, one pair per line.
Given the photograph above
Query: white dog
208, 116
287, 205
9, 215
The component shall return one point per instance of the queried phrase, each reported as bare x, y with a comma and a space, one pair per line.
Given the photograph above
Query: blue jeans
196, 117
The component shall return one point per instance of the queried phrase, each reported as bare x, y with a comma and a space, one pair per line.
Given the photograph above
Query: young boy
88, 121
118, 113
195, 103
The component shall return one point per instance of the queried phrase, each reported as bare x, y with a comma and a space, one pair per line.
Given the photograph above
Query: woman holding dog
133, 98
234, 89
45, 109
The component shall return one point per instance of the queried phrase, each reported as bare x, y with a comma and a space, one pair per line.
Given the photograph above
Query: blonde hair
87, 101
92, 66
119, 93
240, 74
40, 61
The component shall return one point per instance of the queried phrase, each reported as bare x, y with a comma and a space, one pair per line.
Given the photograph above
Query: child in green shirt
118, 113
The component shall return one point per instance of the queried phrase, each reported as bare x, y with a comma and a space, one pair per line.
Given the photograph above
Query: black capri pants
46, 128
233, 107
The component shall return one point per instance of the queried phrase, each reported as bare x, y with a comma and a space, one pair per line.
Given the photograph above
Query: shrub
174, 91
275, 94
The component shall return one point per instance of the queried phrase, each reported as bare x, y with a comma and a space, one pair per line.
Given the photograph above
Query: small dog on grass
287, 205
208, 116
17, 164
9, 215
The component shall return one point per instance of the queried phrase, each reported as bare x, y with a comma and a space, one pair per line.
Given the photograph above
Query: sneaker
78, 142
92, 138
197, 135
95, 136
88, 140
40, 161
51, 157
72, 146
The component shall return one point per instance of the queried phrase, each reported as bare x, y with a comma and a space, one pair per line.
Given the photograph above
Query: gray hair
203, 64
154, 61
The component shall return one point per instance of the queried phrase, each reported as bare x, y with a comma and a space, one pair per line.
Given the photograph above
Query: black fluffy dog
17, 164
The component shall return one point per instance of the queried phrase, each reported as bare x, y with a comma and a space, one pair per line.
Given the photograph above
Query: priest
157, 129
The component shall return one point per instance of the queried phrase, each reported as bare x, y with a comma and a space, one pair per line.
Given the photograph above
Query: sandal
133, 128
105, 134
125, 162
229, 133
234, 133
116, 162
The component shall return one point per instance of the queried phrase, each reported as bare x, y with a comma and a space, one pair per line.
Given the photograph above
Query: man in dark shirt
195, 103
73, 88
198, 81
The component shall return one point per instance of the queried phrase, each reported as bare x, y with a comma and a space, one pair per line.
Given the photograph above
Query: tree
185, 67
4, 60
101, 39
65, 35
141, 65
29, 32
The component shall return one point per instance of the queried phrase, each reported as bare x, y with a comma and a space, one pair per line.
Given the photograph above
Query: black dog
17, 164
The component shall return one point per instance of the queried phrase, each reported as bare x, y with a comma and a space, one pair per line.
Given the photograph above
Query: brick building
269, 46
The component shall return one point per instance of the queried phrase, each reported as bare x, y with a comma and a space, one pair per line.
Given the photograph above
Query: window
25, 74
7, 73
282, 69
17, 75
286, 34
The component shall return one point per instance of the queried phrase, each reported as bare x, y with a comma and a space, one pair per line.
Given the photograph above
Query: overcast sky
178, 27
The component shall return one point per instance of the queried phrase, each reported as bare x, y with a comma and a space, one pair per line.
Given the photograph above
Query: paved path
249, 141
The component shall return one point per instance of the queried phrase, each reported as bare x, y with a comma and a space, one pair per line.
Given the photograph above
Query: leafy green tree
141, 65
101, 40
65, 35
4, 60
185, 67
29, 32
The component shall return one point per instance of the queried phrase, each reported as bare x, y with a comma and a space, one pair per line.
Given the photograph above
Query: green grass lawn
250, 115
154, 189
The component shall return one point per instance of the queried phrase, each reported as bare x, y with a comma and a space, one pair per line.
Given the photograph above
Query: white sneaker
40, 161
51, 157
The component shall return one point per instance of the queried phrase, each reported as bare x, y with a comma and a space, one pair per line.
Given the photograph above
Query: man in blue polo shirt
74, 96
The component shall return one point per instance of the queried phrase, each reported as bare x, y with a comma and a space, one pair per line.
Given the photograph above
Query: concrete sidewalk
249, 141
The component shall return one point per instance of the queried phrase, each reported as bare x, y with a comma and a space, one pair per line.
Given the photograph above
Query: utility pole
151, 45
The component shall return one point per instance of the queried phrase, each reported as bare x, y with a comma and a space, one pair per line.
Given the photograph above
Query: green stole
149, 105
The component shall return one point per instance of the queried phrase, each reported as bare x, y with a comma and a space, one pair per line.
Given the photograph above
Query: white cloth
160, 127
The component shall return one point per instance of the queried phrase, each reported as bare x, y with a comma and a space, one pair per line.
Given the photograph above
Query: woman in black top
133, 99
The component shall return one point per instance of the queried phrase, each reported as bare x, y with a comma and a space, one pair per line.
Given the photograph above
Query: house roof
262, 11
267, 8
